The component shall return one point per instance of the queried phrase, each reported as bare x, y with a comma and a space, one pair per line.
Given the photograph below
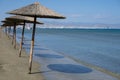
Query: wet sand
11, 66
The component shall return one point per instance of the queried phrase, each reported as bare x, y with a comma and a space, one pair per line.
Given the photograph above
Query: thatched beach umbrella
14, 24
36, 10
8, 25
23, 19
5, 28
5, 25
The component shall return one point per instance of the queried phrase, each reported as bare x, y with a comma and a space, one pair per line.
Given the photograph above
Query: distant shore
11, 66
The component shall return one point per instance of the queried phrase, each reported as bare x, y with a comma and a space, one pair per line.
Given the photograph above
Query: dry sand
11, 66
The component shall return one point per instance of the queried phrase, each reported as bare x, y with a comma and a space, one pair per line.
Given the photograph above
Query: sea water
99, 47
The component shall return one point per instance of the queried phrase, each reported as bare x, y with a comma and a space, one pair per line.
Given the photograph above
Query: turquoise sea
99, 47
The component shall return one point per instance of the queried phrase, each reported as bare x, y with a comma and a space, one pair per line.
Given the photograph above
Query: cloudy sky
89, 11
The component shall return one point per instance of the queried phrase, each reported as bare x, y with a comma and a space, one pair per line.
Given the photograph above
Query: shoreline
11, 66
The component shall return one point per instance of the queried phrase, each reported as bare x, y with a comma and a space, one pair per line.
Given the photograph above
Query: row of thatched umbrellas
18, 20
29, 14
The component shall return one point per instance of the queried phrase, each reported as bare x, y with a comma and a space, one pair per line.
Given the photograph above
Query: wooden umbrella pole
10, 29
9, 32
22, 39
6, 30
32, 45
15, 35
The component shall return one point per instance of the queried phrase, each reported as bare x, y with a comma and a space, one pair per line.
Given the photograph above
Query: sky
84, 11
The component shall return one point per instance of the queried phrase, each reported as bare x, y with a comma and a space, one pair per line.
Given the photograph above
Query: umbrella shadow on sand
69, 68
36, 48
66, 68
49, 56
28, 44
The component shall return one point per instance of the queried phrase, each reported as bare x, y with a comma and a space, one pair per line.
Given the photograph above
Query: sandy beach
11, 66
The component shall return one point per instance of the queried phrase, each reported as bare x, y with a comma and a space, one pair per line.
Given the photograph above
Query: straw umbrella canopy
7, 24
23, 19
36, 10
5, 27
19, 18
10, 24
